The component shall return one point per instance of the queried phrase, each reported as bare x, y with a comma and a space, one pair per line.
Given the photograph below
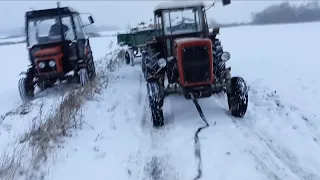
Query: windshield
48, 29
182, 21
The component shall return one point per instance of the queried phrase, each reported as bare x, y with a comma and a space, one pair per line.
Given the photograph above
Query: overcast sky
119, 13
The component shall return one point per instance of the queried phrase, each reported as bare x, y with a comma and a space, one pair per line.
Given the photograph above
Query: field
279, 138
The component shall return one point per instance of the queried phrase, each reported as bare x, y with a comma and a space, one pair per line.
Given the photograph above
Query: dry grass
10, 165
47, 132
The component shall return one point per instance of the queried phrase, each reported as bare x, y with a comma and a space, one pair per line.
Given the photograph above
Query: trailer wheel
127, 57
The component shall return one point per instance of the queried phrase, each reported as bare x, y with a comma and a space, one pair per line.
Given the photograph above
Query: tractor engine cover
195, 61
50, 54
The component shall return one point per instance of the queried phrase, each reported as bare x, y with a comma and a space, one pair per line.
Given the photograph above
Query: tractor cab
53, 30
180, 19
58, 49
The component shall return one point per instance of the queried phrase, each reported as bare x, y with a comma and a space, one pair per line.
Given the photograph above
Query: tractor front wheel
156, 102
26, 89
238, 97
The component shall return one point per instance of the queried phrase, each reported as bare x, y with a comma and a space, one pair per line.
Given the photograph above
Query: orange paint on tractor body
53, 53
179, 45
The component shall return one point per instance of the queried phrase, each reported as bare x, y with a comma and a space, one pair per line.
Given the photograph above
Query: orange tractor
58, 50
190, 58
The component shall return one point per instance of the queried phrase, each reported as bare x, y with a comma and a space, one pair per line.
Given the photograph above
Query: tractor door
84, 47
76, 47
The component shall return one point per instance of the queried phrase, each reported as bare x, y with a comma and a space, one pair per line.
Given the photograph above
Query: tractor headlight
162, 63
225, 56
52, 63
41, 65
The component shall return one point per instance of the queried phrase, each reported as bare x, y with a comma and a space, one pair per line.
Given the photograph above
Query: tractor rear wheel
83, 76
91, 69
238, 97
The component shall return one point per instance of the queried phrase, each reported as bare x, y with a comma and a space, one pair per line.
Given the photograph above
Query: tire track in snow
287, 159
156, 165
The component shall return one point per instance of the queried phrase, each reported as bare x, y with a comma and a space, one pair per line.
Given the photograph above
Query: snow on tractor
57, 45
191, 59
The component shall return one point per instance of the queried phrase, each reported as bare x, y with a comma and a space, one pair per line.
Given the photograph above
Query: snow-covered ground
15, 119
12, 40
277, 139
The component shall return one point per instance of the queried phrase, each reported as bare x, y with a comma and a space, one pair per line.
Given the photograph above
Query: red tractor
57, 46
191, 59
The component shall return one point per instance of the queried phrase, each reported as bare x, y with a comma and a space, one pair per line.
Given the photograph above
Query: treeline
280, 14
288, 13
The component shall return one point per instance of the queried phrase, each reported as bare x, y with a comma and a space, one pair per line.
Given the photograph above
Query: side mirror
226, 2
91, 20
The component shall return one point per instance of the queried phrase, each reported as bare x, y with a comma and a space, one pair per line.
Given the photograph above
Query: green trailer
124, 39
135, 40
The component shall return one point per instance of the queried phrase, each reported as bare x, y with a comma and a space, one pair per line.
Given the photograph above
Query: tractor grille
196, 64
47, 68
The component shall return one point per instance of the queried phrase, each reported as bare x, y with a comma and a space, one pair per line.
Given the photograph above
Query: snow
277, 139
182, 40
178, 4
13, 40
15, 119
111, 33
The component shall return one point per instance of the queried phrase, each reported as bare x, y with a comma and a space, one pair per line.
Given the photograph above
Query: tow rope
197, 147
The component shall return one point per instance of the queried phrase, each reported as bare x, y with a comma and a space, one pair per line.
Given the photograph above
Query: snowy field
277, 139
15, 119
12, 40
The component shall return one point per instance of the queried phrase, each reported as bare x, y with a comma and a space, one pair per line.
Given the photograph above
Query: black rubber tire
25, 90
83, 76
156, 103
143, 65
238, 97
219, 65
127, 57
91, 69
157, 117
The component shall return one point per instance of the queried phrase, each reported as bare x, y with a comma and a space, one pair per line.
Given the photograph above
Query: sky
120, 13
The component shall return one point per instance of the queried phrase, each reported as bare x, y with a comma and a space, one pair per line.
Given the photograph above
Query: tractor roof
50, 12
178, 4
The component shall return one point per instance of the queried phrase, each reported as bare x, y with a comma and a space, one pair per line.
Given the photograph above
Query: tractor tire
83, 76
91, 69
238, 97
219, 65
26, 91
143, 65
156, 102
